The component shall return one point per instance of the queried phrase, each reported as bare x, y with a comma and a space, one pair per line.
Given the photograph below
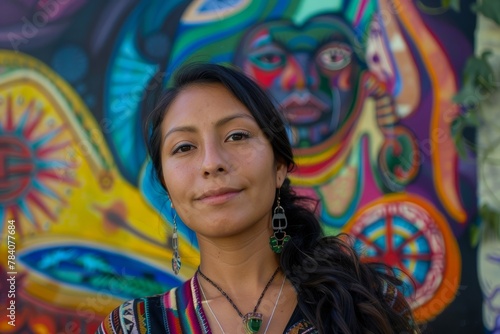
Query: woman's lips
218, 197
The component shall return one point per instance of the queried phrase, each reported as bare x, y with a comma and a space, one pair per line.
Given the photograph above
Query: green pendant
278, 244
252, 322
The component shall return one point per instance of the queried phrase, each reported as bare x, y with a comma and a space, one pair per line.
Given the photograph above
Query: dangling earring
176, 259
279, 238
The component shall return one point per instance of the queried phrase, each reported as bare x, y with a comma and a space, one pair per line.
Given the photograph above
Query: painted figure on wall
310, 70
318, 74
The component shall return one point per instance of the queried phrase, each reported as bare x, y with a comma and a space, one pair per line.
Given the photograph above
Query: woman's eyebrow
219, 123
229, 118
186, 128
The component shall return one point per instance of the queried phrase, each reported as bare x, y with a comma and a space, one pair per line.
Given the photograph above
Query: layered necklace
252, 320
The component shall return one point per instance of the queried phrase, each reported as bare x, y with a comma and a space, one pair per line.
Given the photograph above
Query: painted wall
365, 85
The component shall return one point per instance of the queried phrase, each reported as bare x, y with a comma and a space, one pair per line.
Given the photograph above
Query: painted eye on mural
334, 56
268, 60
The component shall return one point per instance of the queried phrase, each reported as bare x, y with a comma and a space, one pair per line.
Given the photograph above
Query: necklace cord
275, 304
230, 300
211, 311
270, 318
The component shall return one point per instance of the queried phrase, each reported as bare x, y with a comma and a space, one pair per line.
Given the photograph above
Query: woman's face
218, 166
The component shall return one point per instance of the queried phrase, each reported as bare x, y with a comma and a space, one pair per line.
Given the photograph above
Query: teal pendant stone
252, 322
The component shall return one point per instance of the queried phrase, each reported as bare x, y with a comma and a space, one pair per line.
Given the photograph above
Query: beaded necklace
251, 320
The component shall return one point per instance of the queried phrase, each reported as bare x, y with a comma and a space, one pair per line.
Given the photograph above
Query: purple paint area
420, 119
458, 47
28, 24
458, 50
11, 12
419, 122
14, 11
108, 19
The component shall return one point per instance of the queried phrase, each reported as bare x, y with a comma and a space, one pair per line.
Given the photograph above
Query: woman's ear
281, 171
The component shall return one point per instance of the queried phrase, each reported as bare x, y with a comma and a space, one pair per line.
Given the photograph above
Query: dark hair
336, 291
269, 119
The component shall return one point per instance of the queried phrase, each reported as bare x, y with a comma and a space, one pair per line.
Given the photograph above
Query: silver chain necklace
217, 320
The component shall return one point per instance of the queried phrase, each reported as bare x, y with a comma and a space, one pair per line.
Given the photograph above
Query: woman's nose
215, 160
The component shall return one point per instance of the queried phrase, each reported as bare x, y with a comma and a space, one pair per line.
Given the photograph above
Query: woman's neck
246, 260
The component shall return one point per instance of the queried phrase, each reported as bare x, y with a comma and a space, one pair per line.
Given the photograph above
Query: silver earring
176, 259
279, 223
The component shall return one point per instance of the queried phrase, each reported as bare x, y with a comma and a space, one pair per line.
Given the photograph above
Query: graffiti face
310, 70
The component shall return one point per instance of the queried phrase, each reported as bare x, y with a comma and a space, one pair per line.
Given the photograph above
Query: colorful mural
367, 89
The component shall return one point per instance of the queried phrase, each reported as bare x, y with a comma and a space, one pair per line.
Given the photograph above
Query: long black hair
336, 291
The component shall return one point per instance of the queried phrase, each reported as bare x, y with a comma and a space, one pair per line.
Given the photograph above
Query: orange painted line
443, 152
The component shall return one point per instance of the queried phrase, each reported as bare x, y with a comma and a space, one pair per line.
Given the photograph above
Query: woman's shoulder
130, 316
299, 325
136, 315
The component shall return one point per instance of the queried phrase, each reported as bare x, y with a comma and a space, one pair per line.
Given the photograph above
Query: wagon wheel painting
409, 234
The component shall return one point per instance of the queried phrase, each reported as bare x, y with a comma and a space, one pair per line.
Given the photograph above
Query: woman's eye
238, 136
183, 148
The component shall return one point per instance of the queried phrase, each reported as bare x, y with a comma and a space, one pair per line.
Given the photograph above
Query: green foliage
458, 127
490, 220
453, 4
488, 8
474, 235
445, 5
478, 84
478, 81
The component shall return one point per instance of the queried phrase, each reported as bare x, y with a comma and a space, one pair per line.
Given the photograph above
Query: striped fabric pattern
174, 312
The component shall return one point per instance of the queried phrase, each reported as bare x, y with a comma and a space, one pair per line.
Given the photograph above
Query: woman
220, 149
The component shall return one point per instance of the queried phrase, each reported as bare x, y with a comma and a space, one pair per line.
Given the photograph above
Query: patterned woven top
176, 311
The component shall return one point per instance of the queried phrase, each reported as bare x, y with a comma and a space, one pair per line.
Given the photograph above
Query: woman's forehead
211, 102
